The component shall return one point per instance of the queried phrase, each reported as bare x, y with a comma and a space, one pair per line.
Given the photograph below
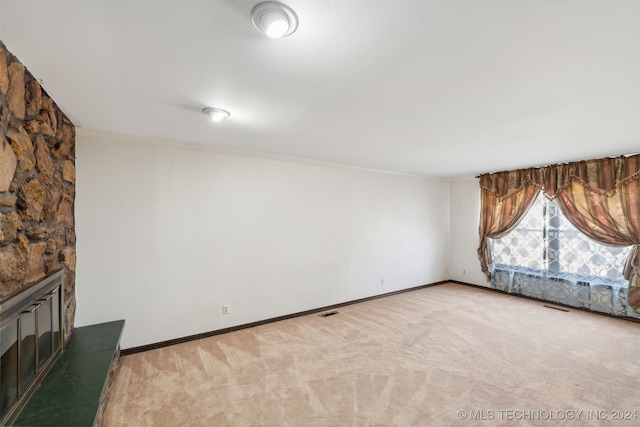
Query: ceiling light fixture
216, 114
274, 19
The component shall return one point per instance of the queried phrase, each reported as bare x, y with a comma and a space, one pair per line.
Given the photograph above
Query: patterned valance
601, 176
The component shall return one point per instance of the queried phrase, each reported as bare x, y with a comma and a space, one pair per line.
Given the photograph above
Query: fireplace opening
31, 339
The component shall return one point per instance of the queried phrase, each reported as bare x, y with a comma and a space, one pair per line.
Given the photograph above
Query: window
546, 244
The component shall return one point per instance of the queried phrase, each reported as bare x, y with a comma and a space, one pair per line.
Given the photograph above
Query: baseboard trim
194, 337
627, 318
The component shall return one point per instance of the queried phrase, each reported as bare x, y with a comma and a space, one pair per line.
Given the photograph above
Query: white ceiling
442, 88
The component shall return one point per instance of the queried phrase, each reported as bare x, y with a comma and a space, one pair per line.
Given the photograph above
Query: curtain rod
561, 163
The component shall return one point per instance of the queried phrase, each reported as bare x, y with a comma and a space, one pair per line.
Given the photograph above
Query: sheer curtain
601, 198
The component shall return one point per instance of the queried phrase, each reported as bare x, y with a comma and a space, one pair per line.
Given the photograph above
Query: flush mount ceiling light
274, 19
216, 114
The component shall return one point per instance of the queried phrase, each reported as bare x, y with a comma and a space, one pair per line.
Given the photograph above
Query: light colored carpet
426, 357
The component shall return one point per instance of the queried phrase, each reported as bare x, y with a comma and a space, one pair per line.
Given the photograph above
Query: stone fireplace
37, 185
37, 192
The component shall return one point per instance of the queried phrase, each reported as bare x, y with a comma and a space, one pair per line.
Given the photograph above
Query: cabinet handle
47, 297
32, 308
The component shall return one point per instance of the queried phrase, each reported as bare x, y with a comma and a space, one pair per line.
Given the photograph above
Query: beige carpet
428, 357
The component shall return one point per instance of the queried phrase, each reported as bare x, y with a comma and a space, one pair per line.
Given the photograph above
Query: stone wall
37, 185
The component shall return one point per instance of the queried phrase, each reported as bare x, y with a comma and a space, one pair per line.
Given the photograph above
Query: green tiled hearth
70, 394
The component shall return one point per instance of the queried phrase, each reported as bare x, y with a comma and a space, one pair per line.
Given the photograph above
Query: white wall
167, 234
465, 219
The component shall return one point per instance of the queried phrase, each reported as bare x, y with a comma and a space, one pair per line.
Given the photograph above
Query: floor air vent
328, 313
557, 308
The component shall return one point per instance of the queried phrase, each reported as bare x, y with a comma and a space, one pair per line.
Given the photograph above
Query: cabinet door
28, 346
8, 365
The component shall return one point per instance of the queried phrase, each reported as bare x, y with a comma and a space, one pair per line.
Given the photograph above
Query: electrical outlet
464, 271
382, 280
225, 309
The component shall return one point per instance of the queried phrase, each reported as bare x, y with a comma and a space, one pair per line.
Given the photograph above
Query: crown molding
98, 135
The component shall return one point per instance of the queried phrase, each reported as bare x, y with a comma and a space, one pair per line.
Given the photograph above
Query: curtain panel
601, 198
499, 216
